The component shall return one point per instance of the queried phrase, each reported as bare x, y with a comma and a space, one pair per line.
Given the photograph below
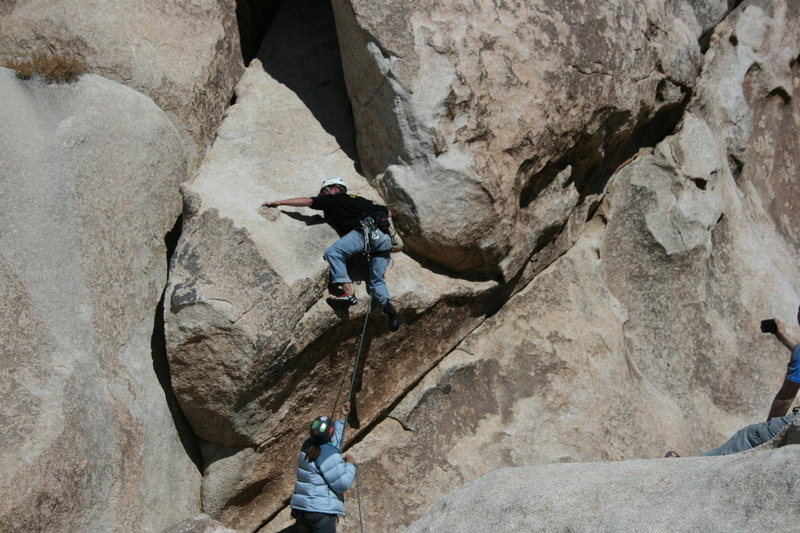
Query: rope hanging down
354, 374
355, 369
366, 228
350, 397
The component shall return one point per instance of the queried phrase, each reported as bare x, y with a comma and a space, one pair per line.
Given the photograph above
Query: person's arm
291, 202
338, 426
784, 338
338, 471
784, 399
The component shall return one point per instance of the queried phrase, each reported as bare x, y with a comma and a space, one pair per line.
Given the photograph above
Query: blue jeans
353, 243
752, 436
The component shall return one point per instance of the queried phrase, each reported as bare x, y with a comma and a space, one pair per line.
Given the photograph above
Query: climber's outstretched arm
291, 202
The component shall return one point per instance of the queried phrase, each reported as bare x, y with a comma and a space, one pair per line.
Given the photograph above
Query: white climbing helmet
334, 180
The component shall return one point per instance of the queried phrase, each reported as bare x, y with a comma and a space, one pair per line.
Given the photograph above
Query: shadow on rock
301, 50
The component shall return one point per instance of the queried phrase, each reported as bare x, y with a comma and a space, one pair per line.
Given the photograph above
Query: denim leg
315, 523
752, 436
377, 268
340, 251
326, 525
378, 263
301, 526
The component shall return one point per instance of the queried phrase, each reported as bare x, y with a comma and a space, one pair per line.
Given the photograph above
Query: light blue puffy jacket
321, 484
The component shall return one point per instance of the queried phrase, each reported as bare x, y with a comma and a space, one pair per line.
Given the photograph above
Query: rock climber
323, 476
348, 213
759, 433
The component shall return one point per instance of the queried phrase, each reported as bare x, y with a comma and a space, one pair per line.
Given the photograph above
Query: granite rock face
619, 186
89, 174
467, 112
595, 210
255, 352
645, 335
198, 524
749, 492
184, 55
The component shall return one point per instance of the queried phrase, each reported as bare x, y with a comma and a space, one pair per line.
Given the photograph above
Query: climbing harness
373, 228
371, 233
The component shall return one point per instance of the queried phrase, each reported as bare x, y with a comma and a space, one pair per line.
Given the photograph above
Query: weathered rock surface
465, 112
640, 338
645, 335
746, 492
199, 524
496, 134
184, 55
89, 174
255, 352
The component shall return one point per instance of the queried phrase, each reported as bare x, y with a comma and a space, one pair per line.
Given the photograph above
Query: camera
769, 326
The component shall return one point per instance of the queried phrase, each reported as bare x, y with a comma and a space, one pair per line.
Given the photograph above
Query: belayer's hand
350, 459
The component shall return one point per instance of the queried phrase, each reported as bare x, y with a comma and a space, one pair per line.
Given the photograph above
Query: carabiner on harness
371, 233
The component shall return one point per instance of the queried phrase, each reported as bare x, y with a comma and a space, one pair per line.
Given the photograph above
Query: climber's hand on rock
350, 459
270, 204
346, 409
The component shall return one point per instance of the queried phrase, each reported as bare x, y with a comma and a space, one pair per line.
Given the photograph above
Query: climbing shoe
394, 318
343, 300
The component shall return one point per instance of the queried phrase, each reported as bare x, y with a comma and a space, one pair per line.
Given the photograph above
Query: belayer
323, 476
362, 226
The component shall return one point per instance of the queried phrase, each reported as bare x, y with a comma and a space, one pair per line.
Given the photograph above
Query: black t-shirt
344, 211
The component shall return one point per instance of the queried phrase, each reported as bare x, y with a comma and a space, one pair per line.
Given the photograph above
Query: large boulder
750, 492
614, 349
184, 55
89, 173
466, 112
255, 352
645, 335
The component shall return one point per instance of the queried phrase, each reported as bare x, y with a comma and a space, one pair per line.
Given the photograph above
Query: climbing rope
367, 250
355, 366
366, 228
358, 499
350, 397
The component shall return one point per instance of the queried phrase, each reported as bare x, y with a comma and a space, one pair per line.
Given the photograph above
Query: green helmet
321, 430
